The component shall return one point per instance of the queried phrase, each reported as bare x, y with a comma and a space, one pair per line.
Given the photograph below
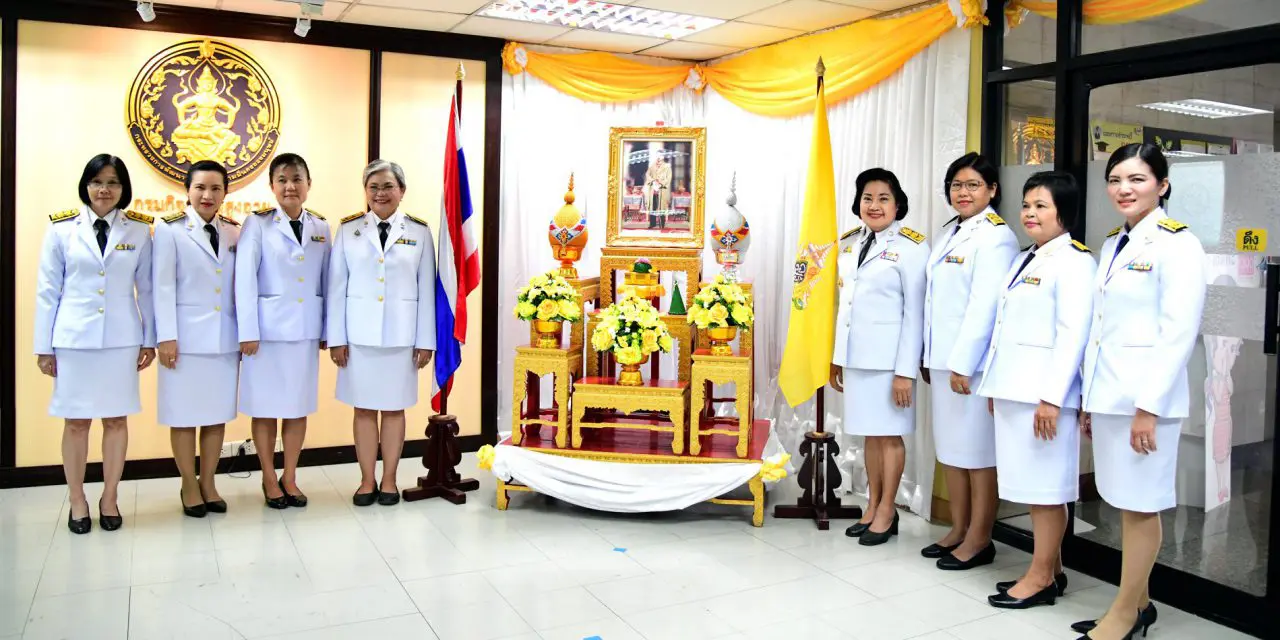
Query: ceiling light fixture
1204, 108
146, 11
308, 8
601, 16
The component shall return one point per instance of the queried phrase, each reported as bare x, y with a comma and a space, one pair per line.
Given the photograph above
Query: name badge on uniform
317, 238
1138, 266
848, 249
954, 260
412, 243
891, 257
1032, 280
125, 247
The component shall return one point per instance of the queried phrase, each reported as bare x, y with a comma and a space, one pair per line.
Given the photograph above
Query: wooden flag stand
443, 452
819, 500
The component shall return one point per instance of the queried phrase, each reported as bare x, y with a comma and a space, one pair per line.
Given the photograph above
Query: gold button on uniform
102, 273
218, 290
101, 291
300, 258
381, 260
301, 279
379, 278
217, 308
218, 270
299, 300
379, 298
100, 310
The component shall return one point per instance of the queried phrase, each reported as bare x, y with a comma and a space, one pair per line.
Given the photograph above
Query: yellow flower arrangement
550, 298
631, 329
721, 304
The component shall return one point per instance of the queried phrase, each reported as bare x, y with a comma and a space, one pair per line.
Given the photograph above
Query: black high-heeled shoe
1059, 581
276, 503
1138, 625
299, 500
1047, 595
198, 511
109, 523
857, 529
79, 526
871, 538
1148, 617
950, 562
215, 506
935, 551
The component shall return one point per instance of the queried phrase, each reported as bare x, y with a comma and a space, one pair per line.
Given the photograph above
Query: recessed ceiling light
1204, 108
601, 16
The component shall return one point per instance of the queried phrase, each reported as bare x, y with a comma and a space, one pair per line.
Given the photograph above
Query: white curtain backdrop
913, 123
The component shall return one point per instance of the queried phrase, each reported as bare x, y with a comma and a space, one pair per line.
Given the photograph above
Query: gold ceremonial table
660, 396
533, 363
709, 370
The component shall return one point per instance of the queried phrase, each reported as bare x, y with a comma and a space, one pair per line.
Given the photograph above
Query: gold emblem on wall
204, 100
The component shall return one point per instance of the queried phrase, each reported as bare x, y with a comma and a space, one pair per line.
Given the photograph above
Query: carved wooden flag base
819, 476
440, 459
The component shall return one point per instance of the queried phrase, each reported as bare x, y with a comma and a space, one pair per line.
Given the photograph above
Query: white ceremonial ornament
730, 235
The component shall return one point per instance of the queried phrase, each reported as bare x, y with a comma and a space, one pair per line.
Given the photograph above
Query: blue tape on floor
619, 550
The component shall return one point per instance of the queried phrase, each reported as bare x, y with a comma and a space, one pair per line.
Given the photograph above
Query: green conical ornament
677, 301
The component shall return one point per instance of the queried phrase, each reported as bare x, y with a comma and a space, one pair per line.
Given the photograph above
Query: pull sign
1251, 240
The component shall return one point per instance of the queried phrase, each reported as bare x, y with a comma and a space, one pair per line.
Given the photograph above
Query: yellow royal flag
806, 359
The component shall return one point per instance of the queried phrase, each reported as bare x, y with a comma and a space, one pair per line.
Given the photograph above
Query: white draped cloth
912, 123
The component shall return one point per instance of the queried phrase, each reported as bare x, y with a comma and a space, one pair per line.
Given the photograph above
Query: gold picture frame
657, 186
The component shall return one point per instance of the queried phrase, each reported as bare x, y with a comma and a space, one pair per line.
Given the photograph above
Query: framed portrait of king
657, 183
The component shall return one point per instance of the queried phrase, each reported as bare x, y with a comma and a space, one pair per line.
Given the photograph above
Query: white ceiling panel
604, 41
741, 35
403, 18
509, 29
723, 9
879, 6
807, 15
280, 8
682, 50
447, 6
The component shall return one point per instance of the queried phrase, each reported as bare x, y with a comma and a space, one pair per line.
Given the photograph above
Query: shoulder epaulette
139, 217
63, 216
911, 234
1171, 225
417, 220
263, 212
1079, 246
314, 214
229, 220
174, 217
1114, 232
354, 216
850, 233
994, 218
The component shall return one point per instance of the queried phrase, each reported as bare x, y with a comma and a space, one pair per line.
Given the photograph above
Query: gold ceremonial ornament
730, 236
568, 234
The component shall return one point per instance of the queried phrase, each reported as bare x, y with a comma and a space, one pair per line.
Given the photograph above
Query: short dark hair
979, 163
95, 166
206, 165
286, 160
880, 175
1063, 189
1146, 152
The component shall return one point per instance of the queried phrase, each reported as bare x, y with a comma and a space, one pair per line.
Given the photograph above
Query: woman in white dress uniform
1147, 301
199, 349
381, 324
1032, 379
877, 347
282, 265
964, 278
94, 328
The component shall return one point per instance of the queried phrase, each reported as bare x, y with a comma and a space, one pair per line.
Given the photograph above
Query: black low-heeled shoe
388, 498
299, 500
1060, 581
871, 538
365, 499
79, 526
1138, 625
1148, 616
110, 523
276, 503
950, 562
198, 511
1045, 596
857, 529
935, 551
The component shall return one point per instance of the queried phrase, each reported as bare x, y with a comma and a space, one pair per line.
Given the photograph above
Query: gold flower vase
549, 333
630, 376
720, 338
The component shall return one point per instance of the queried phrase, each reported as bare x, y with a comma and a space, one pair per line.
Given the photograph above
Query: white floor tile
410, 627
1004, 626
606, 629
485, 621
17, 590
893, 577
694, 620
101, 615
941, 607
550, 609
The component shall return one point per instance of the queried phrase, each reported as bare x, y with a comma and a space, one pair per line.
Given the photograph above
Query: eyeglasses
94, 184
971, 187
375, 189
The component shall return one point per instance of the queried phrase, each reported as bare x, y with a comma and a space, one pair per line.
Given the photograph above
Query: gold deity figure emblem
204, 100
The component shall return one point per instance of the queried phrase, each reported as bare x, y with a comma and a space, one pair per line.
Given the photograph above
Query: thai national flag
457, 259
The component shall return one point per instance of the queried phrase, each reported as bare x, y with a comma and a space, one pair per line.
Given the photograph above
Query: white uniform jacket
963, 283
194, 288
1042, 324
881, 305
281, 282
1147, 303
382, 297
86, 299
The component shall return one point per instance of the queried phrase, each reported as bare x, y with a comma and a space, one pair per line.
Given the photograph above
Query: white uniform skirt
281, 379
95, 383
1133, 481
378, 378
1034, 471
964, 433
868, 405
200, 391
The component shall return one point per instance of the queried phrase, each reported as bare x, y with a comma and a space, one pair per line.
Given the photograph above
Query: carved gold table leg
517, 406
697, 399
503, 500
757, 504
562, 401
579, 410
678, 425
744, 421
